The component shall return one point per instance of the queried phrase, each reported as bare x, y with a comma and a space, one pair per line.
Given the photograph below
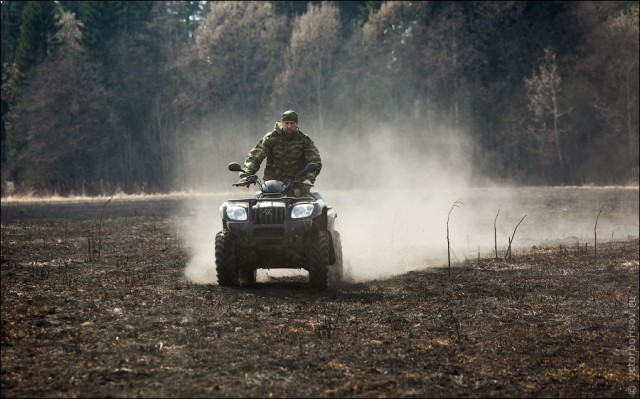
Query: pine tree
11, 19
104, 21
101, 21
39, 24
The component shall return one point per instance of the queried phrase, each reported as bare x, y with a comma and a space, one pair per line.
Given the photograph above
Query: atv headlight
237, 213
301, 211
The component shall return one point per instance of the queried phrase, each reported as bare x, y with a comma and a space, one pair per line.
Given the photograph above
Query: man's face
289, 127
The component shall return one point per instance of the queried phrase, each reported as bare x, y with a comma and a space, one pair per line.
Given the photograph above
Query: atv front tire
226, 259
319, 260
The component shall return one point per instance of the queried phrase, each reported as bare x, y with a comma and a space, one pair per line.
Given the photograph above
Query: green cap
290, 116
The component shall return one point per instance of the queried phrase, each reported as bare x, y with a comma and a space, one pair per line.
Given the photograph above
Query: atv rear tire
319, 260
226, 259
336, 270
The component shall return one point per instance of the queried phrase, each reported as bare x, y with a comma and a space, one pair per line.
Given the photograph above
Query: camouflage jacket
285, 156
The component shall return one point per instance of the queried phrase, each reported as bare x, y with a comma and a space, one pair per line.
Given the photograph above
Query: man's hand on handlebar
307, 184
244, 182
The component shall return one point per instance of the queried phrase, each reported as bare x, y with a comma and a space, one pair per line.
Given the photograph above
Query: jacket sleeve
255, 157
312, 154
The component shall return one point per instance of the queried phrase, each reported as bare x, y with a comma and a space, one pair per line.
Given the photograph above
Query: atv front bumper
270, 233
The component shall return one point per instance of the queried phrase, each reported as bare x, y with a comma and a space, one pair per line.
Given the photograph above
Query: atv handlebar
303, 183
250, 180
253, 179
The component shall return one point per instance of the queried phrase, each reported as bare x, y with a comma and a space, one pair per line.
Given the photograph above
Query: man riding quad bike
273, 230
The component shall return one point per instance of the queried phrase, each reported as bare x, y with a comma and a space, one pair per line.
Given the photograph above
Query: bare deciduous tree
618, 101
446, 54
393, 38
543, 90
309, 57
237, 48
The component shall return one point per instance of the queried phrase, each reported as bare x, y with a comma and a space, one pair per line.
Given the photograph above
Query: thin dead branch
455, 205
595, 233
495, 234
93, 249
512, 237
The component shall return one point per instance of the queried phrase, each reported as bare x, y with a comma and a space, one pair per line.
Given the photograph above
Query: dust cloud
393, 190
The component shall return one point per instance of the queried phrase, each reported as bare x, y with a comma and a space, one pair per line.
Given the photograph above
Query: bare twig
512, 237
595, 233
100, 226
495, 234
455, 205
91, 238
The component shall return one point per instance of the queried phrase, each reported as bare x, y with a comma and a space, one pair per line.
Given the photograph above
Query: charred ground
97, 306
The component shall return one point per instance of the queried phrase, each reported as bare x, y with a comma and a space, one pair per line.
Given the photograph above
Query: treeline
106, 96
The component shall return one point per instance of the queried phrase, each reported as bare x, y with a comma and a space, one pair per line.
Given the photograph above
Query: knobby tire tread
319, 261
336, 272
226, 259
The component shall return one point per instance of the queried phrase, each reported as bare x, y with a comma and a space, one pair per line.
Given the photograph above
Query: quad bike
272, 230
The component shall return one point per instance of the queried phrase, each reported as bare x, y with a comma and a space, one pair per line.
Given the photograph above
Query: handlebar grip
253, 179
302, 183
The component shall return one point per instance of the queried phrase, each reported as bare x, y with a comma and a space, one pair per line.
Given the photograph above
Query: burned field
96, 304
